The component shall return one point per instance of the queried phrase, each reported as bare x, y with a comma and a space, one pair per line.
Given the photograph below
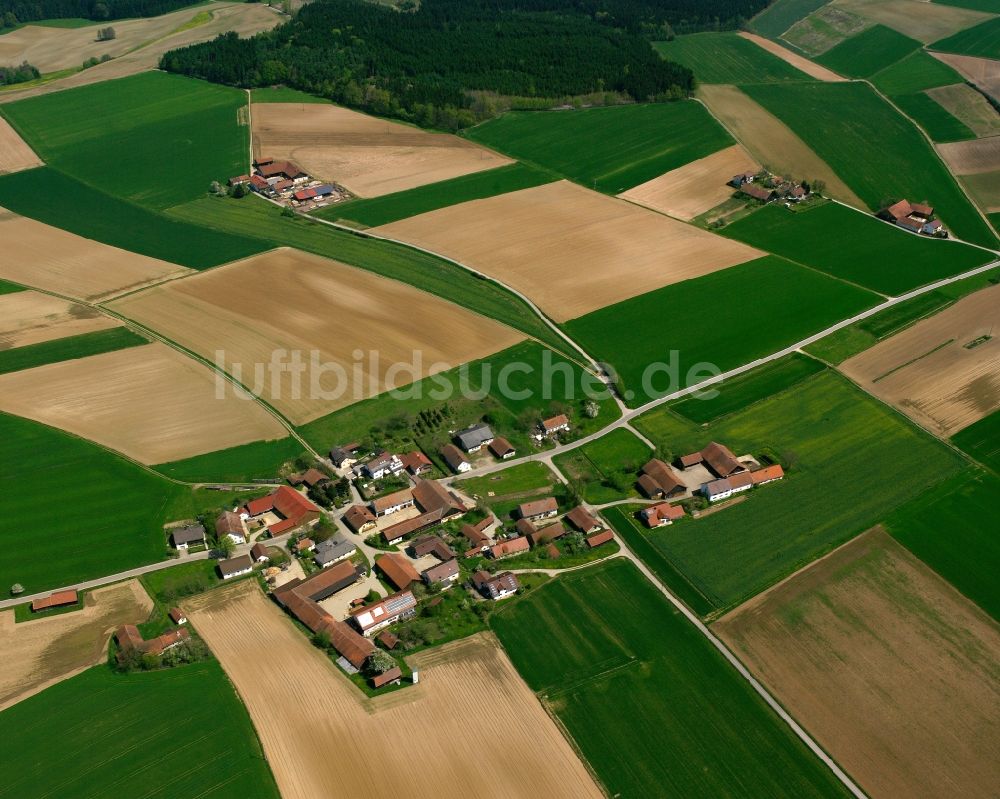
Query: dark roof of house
432, 545
757, 192
397, 569
441, 571
185, 535
525, 527
476, 538
402, 497
662, 475
413, 525
431, 495
321, 584
474, 435
720, 459
229, 523
235, 565
332, 549
388, 639
547, 534
357, 516
500, 446
454, 456
537, 507
258, 550
272, 169
582, 520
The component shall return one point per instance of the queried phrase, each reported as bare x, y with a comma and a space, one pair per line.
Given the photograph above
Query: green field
69, 348
651, 704
259, 459
877, 152
50, 196
708, 320
939, 123
282, 94
530, 476
403, 204
782, 14
74, 511
850, 461
981, 40
975, 5
744, 390
513, 413
179, 732
982, 440
953, 529
263, 220
915, 73
10, 288
868, 52
608, 149
154, 139
854, 246
606, 469
727, 58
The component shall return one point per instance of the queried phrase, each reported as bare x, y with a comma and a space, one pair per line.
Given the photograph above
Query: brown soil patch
799, 62
694, 188
943, 388
569, 249
27, 317
43, 651
985, 188
293, 301
970, 107
984, 72
322, 737
972, 157
824, 28
15, 154
368, 155
150, 403
891, 669
926, 22
74, 45
36, 254
771, 141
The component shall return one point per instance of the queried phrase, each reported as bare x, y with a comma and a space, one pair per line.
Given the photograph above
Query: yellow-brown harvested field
972, 157
27, 317
799, 62
47, 258
921, 20
984, 72
930, 371
150, 403
15, 154
290, 301
985, 189
890, 668
369, 156
153, 37
970, 107
569, 249
770, 141
43, 651
322, 737
694, 188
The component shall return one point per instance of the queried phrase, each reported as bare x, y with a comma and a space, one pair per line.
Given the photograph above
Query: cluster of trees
191, 651
106, 34
18, 74
31, 10
423, 66
93, 61
335, 493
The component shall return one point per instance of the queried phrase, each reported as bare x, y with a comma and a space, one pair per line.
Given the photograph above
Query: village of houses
354, 587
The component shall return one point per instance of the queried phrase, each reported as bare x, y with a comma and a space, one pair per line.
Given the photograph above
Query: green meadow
727, 58
868, 52
875, 150
850, 461
648, 701
606, 469
609, 149
779, 16
179, 732
982, 40
915, 73
790, 302
259, 459
532, 476
69, 348
982, 440
940, 124
854, 246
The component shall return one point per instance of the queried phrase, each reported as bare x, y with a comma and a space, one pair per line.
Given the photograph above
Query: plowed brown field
150, 403
43, 651
694, 188
942, 386
369, 156
27, 317
891, 669
48, 258
15, 154
322, 737
799, 62
969, 106
918, 19
973, 156
984, 72
569, 249
286, 301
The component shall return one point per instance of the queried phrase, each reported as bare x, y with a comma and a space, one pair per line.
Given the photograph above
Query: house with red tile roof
56, 599
538, 509
603, 537
496, 587
295, 509
661, 515
372, 618
416, 462
508, 547
658, 481
398, 570
582, 520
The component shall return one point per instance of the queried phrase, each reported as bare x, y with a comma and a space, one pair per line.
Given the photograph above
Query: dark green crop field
154, 139
915, 73
954, 530
74, 511
477, 186
782, 14
180, 732
727, 58
770, 301
651, 704
259, 459
875, 150
982, 440
850, 462
9, 288
939, 123
610, 149
868, 52
69, 348
854, 246
57, 199
982, 40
